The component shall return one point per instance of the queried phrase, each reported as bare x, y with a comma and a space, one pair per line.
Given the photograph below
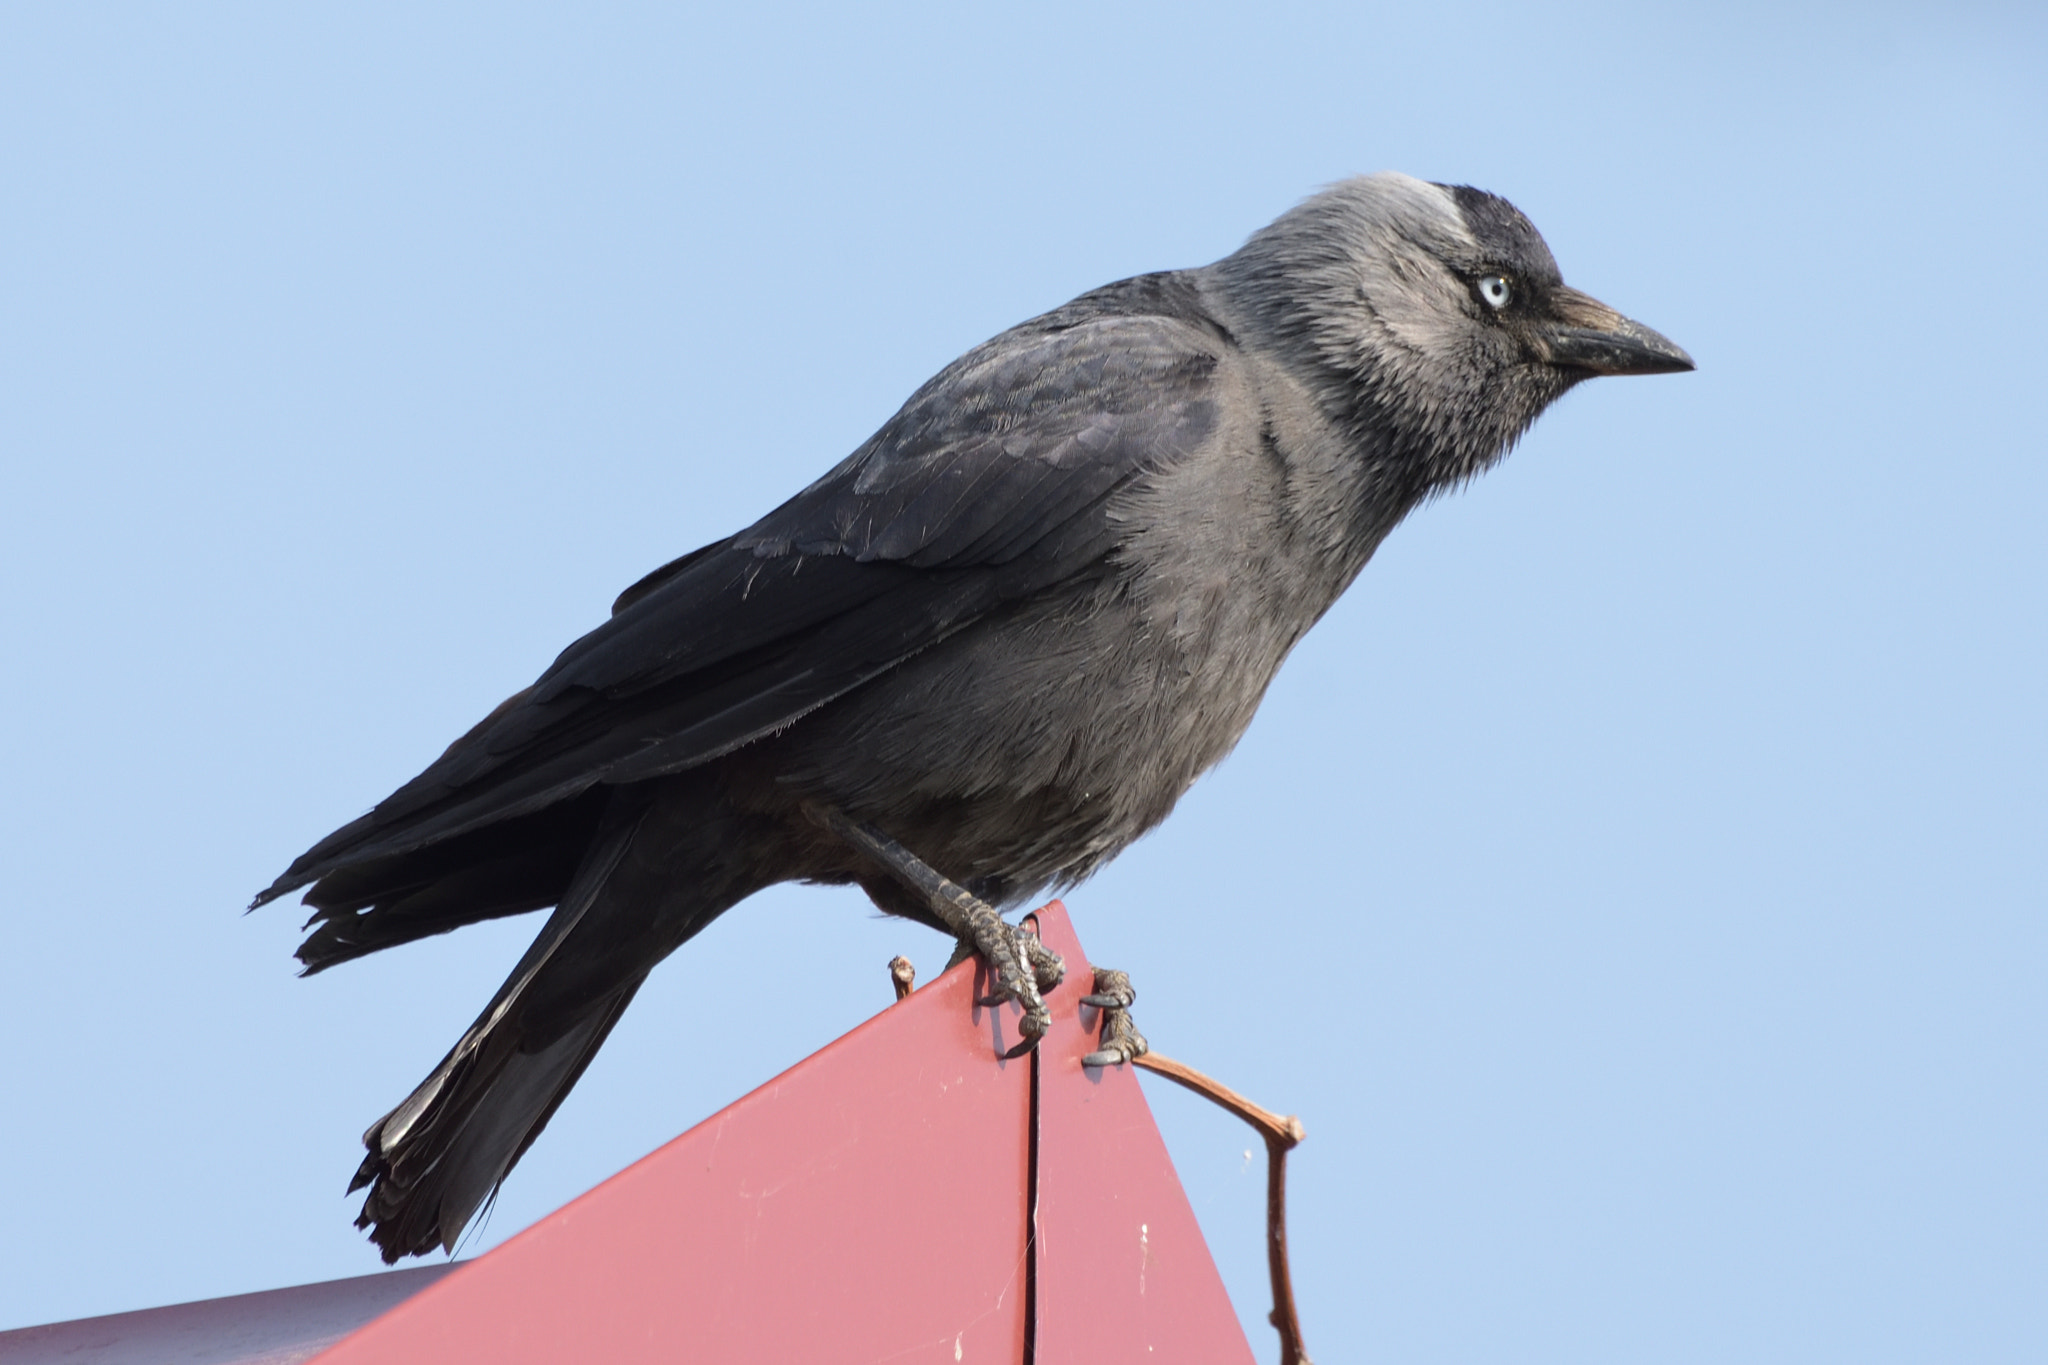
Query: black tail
435, 1159
506, 869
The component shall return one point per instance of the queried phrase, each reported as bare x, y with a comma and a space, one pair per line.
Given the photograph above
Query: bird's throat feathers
1367, 286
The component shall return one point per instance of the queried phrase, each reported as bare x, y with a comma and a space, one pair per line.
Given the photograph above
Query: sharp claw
1121, 1041
1032, 1027
1112, 990
1047, 967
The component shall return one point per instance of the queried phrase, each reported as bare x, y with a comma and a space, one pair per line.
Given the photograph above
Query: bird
974, 660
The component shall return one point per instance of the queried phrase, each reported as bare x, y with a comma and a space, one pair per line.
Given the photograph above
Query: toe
1113, 990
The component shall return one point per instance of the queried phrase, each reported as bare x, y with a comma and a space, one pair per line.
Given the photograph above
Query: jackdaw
978, 658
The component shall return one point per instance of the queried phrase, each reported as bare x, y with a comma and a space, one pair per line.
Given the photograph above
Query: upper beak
1591, 336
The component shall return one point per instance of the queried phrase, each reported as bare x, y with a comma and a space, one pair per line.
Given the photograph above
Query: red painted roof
275, 1327
1123, 1272
871, 1203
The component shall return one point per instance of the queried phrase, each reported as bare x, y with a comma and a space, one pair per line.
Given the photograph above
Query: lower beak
1591, 336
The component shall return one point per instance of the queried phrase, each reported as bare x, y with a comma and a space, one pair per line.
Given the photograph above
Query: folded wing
988, 487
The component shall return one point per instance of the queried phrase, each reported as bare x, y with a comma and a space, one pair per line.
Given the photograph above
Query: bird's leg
1023, 967
1119, 1036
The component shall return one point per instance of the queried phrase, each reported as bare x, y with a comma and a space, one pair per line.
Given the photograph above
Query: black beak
1591, 336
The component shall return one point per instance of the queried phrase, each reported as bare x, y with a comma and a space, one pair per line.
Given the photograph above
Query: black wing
987, 487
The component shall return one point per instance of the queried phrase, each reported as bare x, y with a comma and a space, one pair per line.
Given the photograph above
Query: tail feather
440, 1153
524, 865
439, 1156
427, 1183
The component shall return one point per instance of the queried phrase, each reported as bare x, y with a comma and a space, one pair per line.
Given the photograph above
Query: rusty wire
1281, 1135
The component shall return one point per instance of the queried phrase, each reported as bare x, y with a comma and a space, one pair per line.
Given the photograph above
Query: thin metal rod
1281, 1133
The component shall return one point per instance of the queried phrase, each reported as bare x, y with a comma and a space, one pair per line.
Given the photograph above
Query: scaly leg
1023, 967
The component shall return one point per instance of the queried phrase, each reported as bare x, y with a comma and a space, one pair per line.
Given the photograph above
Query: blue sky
1636, 883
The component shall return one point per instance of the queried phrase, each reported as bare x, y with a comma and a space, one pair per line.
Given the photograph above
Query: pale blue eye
1496, 291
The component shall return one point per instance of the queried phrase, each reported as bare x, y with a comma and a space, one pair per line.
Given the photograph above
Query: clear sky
1636, 884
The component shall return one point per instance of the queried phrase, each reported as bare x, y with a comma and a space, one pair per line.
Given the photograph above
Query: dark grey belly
1032, 747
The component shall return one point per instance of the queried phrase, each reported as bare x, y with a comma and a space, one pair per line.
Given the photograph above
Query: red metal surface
277, 1327
1123, 1272
867, 1204
870, 1204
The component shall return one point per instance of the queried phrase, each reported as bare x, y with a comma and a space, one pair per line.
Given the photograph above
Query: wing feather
989, 486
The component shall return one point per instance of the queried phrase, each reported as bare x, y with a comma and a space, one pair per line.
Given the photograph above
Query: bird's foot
1020, 968
1119, 1036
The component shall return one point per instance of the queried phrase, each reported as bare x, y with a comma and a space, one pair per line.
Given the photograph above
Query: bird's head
1430, 314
